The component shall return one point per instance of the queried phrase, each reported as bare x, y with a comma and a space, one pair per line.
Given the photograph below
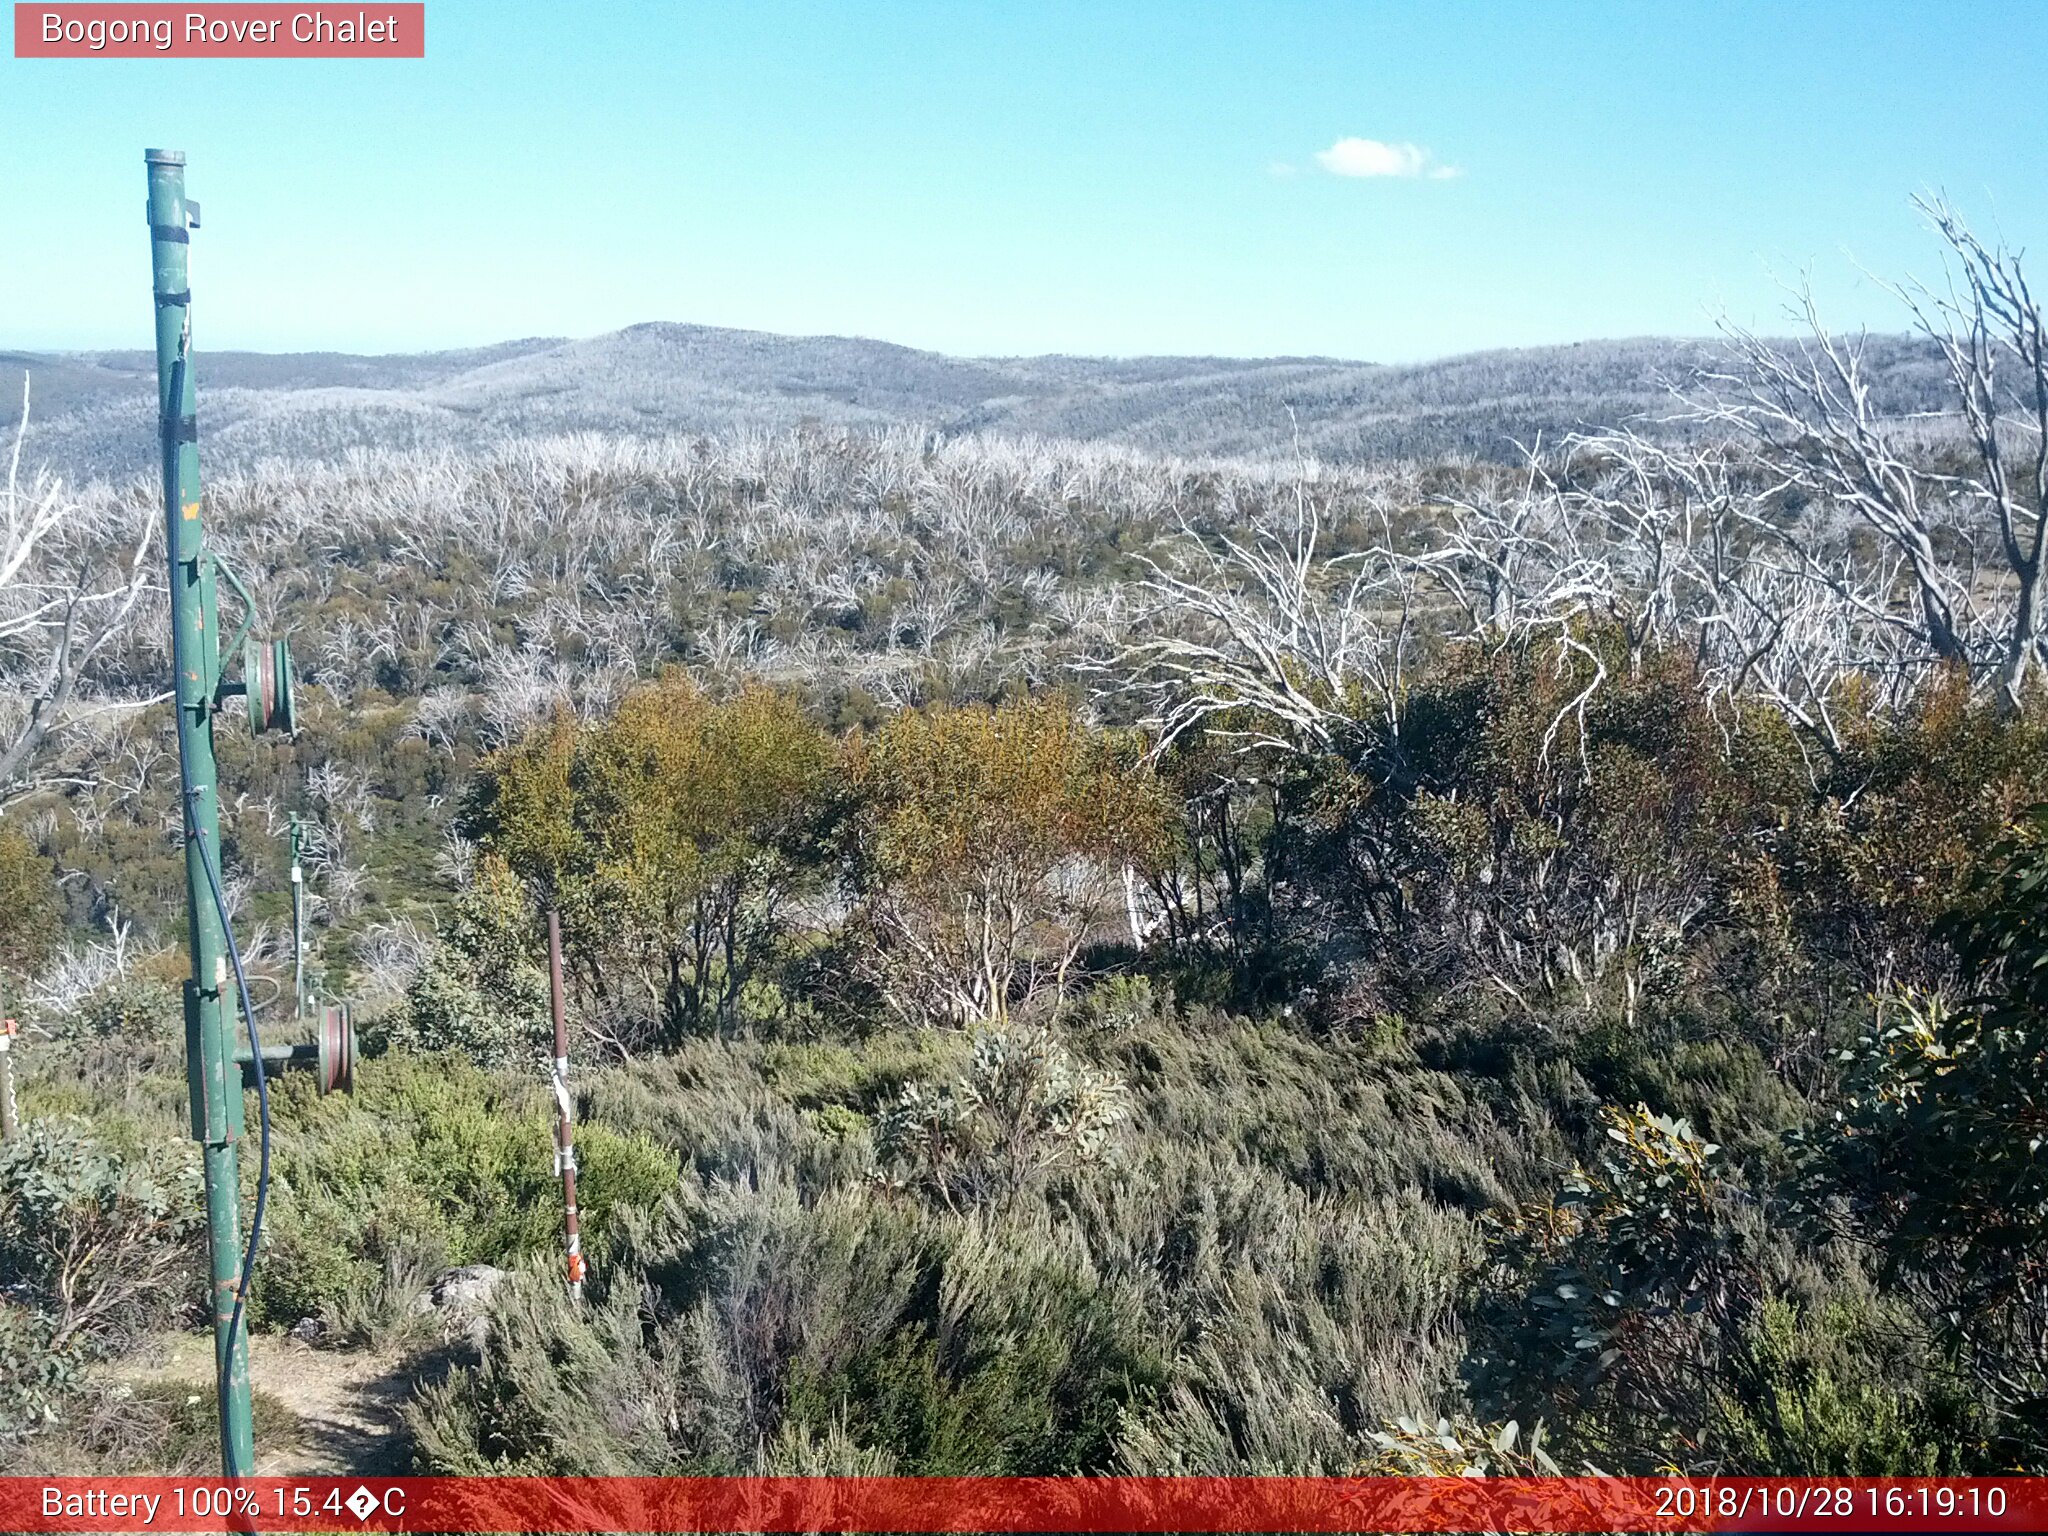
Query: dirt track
346, 1402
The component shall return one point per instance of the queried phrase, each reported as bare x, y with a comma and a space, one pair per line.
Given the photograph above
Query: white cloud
1371, 157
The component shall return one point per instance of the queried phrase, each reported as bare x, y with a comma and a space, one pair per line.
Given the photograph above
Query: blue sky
981, 177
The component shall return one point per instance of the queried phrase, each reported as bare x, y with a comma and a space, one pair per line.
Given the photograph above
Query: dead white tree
1989, 329
1812, 412
1600, 554
1687, 548
1270, 629
71, 575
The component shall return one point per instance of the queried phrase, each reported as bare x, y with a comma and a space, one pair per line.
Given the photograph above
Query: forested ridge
656, 380
1082, 960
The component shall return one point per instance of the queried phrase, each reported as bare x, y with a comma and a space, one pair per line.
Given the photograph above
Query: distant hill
94, 411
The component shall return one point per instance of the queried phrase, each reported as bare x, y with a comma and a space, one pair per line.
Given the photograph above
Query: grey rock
466, 1288
461, 1297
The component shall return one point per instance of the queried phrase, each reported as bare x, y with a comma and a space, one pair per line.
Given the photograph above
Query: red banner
372, 31
1137, 1504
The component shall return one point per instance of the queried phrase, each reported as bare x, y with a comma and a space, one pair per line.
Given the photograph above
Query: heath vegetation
1082, 961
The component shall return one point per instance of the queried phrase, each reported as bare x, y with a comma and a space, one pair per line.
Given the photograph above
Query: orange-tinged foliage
990, 846
669, 836
524, 804
951, 790
679, 791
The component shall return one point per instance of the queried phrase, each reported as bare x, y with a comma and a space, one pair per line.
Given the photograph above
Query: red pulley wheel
337, 1043
267, 681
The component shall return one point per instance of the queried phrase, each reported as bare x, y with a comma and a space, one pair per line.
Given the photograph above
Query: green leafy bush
132, 1006
1024, 1110
37, 1376
1610, 1301
1823, 1392
95, 1248
432, 1153
1938, 1144
480, 990
31, 914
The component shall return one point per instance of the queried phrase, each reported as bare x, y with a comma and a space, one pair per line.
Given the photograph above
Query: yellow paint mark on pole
191, 511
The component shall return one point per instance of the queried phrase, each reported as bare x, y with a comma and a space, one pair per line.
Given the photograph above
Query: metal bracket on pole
268, 681
216, 564
331, 1056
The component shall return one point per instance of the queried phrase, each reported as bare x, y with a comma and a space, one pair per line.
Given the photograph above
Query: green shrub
431, 1153
865, 1076
1297, 1323
480, 991
95, 1248
382, 1308
1812, 1393
1607, 1305
1937, 1139
1322, 1115
710, 1103
31, 912
132, 1006
955, 1348
1024, 1363
37, 1375
1024, 1110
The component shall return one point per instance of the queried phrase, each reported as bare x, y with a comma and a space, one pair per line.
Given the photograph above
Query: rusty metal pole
10, 1121
298, 927
565, 1126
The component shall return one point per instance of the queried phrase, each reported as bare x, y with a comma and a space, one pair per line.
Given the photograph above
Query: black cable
220, 904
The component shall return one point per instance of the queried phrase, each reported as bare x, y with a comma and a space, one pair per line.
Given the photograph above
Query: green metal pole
216, 1081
